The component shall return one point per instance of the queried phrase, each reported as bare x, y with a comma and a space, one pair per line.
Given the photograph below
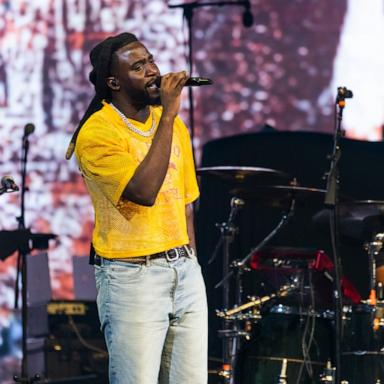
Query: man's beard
155, 100
143, 98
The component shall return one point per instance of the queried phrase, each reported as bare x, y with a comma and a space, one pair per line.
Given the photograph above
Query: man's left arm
190, 225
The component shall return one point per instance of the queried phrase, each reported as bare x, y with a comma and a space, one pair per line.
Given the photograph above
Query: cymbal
239, 174
358, 219
362, 208
280, 194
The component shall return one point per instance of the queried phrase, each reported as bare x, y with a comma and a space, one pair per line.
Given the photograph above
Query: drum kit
284, 332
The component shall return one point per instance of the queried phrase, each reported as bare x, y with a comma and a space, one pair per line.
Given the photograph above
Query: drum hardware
283, 373
380, 291
373, 248
257, 301
225, 372
289, 310
235, 176
328, 376
253, 316
241, 266
231, 333
278, 264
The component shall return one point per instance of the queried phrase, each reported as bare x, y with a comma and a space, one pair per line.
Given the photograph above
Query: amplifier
62, 315
73, 350
67, 358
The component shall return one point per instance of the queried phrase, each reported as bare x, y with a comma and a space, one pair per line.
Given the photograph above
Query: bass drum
363, 346
279, 336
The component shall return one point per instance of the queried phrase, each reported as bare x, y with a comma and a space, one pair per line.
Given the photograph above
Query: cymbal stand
22, 264
373, 248
331, 200
241, 267
283, 373
282, 223
227, 231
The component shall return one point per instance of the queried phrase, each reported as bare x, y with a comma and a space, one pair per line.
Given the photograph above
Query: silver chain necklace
132, 127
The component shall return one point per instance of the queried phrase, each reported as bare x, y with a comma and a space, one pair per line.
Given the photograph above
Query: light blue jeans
154, 319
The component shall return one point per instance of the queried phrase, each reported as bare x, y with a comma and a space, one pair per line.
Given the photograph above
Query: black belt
172, 254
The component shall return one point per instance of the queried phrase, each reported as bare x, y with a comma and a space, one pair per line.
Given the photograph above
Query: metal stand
232, 335
283, 373
22, 264
188, 15
373, 248
331, 199
227, 231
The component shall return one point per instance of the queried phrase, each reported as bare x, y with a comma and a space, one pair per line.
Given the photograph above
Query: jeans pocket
125, 272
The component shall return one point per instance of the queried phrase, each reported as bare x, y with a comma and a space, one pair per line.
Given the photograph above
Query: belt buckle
170, 257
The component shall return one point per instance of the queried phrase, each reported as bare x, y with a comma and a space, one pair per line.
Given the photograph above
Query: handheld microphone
191, 82
9, 184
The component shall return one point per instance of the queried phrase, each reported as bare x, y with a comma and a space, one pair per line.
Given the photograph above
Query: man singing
135, 155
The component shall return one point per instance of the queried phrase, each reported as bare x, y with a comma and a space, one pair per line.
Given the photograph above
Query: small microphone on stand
343, 93
28, 129
9, 184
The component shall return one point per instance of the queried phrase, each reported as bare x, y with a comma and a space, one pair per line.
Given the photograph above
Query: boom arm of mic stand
283, 221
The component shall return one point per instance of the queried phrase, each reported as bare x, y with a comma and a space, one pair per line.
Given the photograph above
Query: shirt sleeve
105, 158
191, 188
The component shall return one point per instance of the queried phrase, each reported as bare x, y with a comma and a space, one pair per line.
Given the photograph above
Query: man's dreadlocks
101, 58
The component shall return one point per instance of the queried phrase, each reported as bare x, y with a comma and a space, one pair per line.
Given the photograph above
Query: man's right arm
149, 176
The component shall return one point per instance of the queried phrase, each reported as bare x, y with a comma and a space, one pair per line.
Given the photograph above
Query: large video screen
280, 72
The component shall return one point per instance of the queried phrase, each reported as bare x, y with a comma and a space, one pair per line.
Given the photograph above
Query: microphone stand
22, 265
331, 200
188, 15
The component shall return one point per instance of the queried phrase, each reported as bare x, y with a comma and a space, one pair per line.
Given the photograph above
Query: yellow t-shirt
108, 153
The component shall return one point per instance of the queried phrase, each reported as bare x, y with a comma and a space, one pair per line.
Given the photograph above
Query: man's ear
113, 83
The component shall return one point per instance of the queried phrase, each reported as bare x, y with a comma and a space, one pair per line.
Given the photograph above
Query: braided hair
101, 58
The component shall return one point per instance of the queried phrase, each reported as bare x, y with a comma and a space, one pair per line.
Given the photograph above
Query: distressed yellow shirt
108, 153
